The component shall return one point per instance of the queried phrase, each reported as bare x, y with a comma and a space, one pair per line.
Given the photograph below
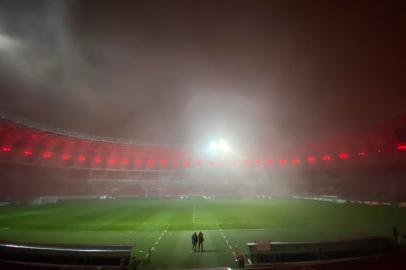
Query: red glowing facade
23, 144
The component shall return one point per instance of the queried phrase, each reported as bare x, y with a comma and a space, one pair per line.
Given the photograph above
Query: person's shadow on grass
208, 251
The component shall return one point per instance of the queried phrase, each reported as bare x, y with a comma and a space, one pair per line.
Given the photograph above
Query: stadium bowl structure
63, 188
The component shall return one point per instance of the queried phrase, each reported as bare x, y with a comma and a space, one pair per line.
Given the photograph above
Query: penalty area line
226, 240
155, 246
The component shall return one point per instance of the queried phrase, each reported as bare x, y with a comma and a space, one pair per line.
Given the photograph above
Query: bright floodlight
219, 146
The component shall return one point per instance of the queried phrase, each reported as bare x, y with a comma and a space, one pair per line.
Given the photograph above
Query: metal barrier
83, 255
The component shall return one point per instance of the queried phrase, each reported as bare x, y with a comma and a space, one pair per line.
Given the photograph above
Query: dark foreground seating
80, 255
319, 251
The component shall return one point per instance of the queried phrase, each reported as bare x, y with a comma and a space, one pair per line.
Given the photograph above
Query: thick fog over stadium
211, 134
183, 72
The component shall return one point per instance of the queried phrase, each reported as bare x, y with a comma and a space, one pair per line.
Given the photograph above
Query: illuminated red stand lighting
65, 157
401, 147
362, 154
283, 162
326, 157
296, 161
113, 161
311, 159
27, 152
7, 148
47, 154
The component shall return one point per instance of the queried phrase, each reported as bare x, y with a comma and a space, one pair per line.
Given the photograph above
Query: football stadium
210, 135
67, 192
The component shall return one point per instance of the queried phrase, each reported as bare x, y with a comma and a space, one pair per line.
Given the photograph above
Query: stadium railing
74, 255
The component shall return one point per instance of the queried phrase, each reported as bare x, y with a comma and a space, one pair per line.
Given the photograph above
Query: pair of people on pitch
197, 239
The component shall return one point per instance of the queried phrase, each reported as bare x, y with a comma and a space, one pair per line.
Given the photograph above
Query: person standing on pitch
200, 242
194, 241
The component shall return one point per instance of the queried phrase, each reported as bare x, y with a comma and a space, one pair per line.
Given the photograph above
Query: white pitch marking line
193, 214
159, 238
228, 243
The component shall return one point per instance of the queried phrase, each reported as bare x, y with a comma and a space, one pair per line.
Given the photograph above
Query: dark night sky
182, 71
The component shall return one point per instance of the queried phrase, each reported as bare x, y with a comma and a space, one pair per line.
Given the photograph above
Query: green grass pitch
166, 225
